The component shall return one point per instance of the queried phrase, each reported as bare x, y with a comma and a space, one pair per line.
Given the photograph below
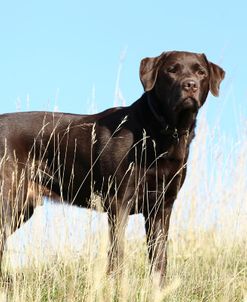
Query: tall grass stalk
207, 259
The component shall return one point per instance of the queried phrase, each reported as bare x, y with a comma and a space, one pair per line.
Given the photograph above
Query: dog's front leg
117, 221
157, 226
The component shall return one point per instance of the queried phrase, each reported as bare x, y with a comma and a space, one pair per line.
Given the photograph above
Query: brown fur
134, 157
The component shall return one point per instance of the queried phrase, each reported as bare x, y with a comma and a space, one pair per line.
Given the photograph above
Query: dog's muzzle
187, 103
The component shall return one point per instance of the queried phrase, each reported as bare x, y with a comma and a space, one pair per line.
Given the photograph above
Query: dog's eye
202, 72
172, 69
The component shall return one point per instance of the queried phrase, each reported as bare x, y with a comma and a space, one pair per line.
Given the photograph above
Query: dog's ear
217, 74
148, 71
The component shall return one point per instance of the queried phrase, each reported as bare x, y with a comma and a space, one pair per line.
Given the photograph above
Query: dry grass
207, 246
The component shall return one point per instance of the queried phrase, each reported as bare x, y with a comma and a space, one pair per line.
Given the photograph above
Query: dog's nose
190, 85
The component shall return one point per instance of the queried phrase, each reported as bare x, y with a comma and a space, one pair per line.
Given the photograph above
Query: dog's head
181, 80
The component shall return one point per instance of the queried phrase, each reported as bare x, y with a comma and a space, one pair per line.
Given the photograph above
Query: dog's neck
182, 122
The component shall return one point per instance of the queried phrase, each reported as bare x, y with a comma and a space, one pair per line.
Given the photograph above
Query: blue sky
57, 54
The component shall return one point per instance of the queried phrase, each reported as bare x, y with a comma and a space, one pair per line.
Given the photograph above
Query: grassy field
202, 267
207, 244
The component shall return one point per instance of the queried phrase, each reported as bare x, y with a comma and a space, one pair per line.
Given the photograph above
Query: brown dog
133, 157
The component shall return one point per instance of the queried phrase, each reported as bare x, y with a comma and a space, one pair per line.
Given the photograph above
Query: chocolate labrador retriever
133, 157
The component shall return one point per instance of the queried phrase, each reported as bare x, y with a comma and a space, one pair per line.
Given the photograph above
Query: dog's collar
166, 129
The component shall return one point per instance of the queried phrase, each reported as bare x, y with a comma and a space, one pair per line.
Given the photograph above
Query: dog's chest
169, 163
164, 170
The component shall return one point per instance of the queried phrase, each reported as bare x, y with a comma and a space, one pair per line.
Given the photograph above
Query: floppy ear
148, 71
217, 74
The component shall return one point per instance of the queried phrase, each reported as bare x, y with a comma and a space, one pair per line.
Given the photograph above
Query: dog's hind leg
5, 230
14, 202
